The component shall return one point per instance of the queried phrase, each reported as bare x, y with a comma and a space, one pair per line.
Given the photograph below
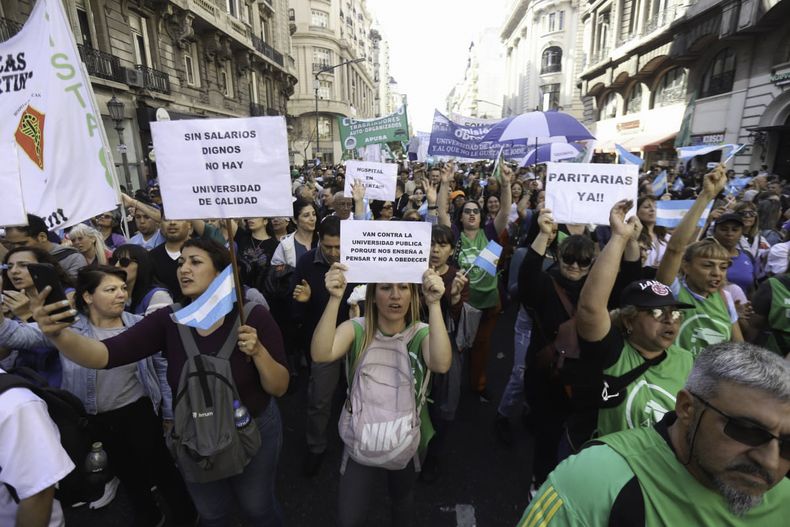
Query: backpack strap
570, 309
620, 383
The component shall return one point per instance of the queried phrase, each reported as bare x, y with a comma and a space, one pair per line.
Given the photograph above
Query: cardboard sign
223, 168
585, 192
385, 251
378, 178
13, 210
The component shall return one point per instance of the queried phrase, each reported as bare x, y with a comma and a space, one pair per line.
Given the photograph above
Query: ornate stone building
190, 58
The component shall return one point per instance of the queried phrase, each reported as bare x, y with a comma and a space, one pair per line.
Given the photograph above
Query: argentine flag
660, 184
488, 258
669, 213
687, 152
678, 185
627, 158
212, 305
736, 185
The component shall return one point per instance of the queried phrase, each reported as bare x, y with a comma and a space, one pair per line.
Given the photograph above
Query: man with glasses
720, 459
36, 234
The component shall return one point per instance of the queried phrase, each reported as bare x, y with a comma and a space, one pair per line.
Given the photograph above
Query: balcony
267, 51
154, 80
599, 56
100, 64
550, 68
257, 110
658, 20
8, 28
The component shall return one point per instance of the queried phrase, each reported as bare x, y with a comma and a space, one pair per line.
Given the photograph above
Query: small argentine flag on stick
660, 184
669, 213
488, 258
212, 305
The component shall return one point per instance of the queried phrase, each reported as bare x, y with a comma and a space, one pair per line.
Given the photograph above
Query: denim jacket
81, 381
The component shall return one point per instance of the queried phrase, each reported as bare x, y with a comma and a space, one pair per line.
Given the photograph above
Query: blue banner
452, 139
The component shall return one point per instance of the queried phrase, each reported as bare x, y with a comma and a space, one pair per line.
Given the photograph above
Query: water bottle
96, 460
240, 415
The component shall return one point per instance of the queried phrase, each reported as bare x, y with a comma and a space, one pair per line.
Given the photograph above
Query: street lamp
115, 107
326, 69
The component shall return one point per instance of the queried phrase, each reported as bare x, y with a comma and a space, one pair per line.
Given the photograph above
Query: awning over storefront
649, 142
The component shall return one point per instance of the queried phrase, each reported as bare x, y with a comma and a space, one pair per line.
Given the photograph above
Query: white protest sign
378, 178
223, 168
385, 251
13, 210
585, 192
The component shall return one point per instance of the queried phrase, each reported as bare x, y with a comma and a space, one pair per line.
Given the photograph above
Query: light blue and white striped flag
736, 185
687, 152
488, 258
212, 305
660, 184
627, 158
670, 212
678, 185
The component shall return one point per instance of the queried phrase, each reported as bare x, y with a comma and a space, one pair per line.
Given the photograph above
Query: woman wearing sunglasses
703, 266
146, 294
630, 370
107, 224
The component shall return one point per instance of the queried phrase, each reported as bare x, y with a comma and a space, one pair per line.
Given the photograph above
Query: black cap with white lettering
649, 293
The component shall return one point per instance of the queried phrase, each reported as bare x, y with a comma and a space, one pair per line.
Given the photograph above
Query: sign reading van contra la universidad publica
356, 133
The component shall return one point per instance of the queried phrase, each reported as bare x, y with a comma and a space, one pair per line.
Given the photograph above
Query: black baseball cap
730, 216
649, 293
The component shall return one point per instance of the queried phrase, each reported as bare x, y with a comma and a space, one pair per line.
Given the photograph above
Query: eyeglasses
748, 214
569, 259
471, 211
124, 261
748, 433
659, 313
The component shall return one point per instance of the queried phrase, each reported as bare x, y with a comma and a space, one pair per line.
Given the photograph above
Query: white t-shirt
31, 457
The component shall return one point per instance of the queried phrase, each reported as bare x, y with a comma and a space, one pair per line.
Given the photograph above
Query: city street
484, 480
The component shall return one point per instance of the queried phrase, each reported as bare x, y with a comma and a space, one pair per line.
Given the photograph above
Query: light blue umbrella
536, 128
551, 152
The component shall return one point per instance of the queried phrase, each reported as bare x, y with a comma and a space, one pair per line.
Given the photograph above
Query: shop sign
708, 139
628, 125
781, 78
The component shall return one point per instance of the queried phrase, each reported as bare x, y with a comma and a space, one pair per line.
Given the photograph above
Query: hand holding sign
378, 178
357, 191
432, 287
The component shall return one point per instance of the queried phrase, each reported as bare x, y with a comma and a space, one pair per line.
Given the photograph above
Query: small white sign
385, 251
13, 210
580, 193
223, 168
711, 165
122, 149
378, 178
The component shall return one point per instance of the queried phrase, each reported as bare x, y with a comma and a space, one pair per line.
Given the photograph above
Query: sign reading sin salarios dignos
579, 193
385, 251
223, 168
356, 133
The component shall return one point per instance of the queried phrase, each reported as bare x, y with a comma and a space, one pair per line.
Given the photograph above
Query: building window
609, 106
191, 67
550, 97
552, 22
602, 34
325, 89
319, 18
142, 50
266, 29
254, 87
551, 61
720, 75
85, 27
232, 7
325, 129
671, 89
561, 20
322, 57
226, 79
633, 103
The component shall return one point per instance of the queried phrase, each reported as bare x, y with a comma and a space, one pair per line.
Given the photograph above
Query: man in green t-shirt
720, 459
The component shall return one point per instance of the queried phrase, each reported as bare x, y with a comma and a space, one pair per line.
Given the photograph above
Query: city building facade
541, 63
176, 59
338, 57
479, 94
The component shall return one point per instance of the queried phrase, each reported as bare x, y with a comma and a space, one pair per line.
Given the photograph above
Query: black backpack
68, 414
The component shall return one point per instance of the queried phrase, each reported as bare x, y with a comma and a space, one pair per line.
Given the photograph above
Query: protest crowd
644, 351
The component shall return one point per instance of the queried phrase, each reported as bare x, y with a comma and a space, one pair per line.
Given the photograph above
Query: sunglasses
658, 313
569, 259
471, 211
386, 207
748, 214
124, 261
747, 433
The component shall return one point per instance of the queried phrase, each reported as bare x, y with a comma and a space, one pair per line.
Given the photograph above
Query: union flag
30, 135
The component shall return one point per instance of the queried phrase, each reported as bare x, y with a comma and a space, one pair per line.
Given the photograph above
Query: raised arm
152, 212
436, 349
358, 195
330, 342
443, 199
592, 314
682, 236
546, 224
505, 200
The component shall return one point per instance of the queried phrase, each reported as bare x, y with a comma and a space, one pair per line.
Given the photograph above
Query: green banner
356, 133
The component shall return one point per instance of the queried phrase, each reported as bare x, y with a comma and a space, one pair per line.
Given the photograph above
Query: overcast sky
429, 40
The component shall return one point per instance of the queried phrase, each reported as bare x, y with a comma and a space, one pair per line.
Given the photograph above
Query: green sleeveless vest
779, 318
483, 288
708, 323
673, 497
651, 395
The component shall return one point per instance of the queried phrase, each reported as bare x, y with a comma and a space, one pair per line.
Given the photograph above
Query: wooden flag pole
235, 264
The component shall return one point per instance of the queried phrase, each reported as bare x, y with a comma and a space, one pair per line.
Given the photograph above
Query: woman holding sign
471, 237
392, 336
258, 370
